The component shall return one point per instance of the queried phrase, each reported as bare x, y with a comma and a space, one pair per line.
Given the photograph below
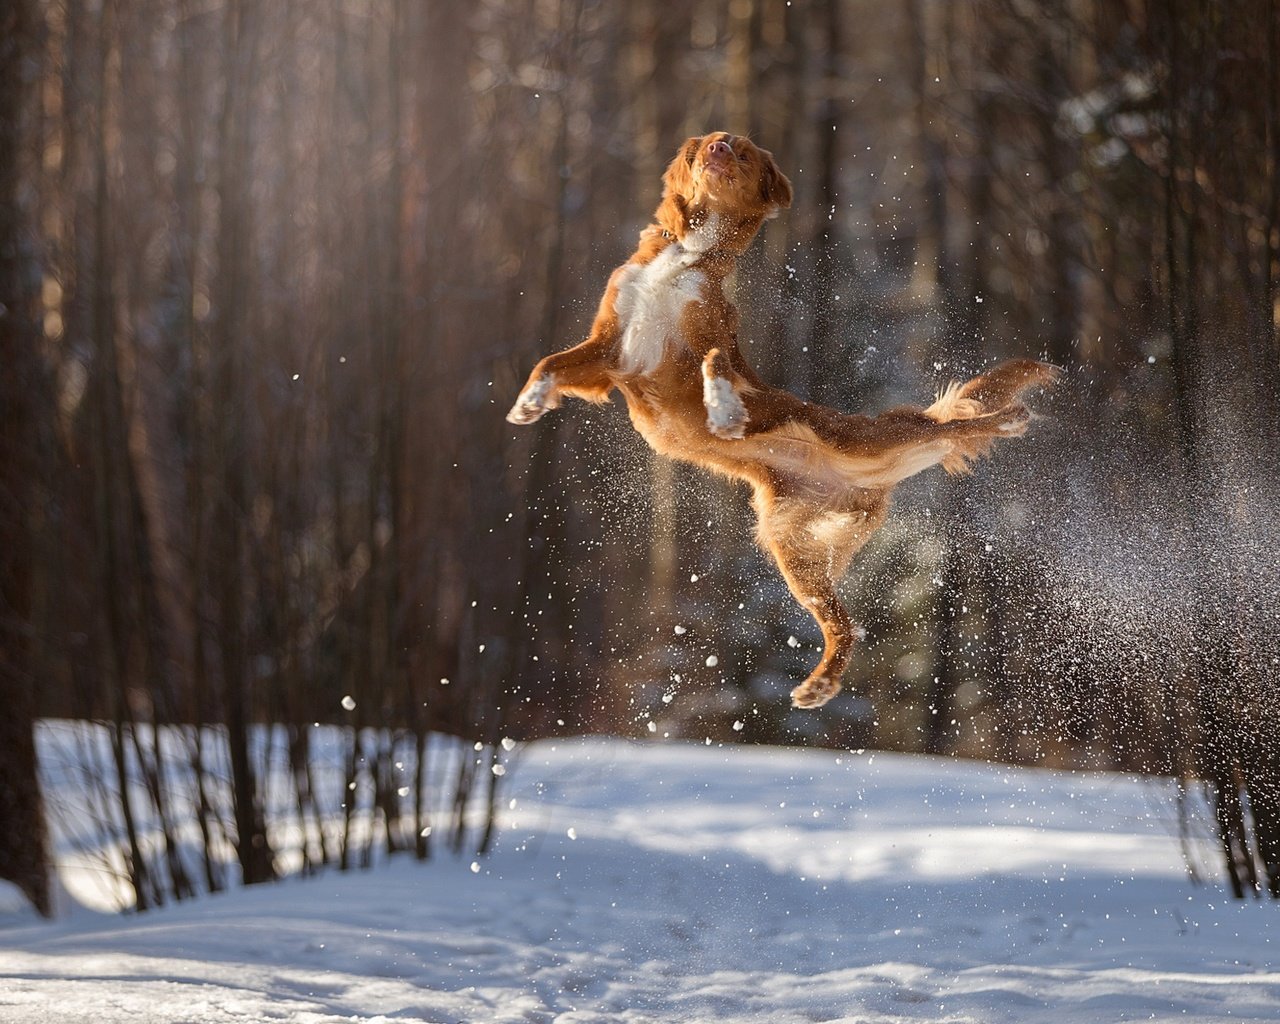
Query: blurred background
273, 270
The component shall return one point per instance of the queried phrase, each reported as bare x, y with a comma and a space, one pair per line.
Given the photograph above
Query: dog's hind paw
814, 692
1014, 420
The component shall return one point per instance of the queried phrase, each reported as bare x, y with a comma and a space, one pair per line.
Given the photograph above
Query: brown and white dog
666, 337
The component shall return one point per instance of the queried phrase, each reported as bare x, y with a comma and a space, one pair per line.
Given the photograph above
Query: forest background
271, 273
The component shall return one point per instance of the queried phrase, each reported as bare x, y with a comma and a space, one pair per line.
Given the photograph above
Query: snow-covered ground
663, 882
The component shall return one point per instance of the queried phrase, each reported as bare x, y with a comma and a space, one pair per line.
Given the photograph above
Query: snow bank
659, 882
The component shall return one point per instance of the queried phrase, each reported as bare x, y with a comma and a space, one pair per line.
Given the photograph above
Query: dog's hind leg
812, 545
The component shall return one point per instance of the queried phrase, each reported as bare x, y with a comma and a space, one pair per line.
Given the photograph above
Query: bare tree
24, 395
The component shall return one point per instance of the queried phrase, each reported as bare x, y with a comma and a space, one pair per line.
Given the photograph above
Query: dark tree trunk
24, 853
232, 445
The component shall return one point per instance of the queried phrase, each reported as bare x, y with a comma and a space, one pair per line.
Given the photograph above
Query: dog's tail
995, 397
995, 390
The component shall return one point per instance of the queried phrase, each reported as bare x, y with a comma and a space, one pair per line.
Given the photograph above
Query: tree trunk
231, 463
24, 854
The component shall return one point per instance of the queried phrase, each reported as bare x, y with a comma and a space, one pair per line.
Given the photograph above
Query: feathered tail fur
995, 396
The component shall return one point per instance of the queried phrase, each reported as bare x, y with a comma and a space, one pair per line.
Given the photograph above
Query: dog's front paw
537, 398
726, 415
814, 692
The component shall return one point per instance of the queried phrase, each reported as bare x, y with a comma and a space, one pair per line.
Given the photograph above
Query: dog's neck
706, 233
709, 237
710, 240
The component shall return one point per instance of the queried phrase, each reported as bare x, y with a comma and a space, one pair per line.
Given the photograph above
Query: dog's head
722, 175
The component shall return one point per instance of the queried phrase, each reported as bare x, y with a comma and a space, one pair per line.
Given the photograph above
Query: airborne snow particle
499, 770
792, 642
349, 702
425, 832
680, 631
712, 661
693, 578
508, 743
737, 725
572, 833
475, 867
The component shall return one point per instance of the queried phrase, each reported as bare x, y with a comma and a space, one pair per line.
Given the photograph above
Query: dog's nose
720, 149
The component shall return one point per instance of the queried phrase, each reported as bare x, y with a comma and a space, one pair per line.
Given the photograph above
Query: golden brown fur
666, 337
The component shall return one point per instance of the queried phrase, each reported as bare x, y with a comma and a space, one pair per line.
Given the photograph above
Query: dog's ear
775, 187
679, 176
673, 211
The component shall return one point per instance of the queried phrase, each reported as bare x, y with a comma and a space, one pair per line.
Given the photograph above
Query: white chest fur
651, 299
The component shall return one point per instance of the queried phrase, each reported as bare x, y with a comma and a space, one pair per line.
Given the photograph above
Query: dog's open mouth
719, 172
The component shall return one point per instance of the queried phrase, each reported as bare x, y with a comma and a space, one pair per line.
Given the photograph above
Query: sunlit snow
660, 882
